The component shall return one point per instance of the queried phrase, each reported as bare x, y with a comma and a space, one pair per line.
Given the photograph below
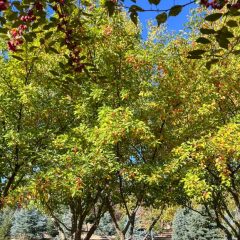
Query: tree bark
152, 226
120, 233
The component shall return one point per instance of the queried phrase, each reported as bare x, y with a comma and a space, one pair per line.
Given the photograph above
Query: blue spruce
190, 225
30, 224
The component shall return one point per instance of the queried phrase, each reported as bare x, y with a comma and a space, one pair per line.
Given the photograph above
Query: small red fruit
12, 46
3, 5
14, 32
39, 6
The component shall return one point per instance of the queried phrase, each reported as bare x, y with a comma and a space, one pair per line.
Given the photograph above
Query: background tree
28, 224
6, 220
212, 165
115, 138
188, 224
106, 227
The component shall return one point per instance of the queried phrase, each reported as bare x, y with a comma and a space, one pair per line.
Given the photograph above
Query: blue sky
173, 23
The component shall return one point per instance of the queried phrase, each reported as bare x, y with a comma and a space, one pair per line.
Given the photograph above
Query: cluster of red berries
38, 5
236, 5
219, 4
214, 4
60, 1
30, 17
74, 56
17, 33
16, 37
3, 5
63, 26
75, 60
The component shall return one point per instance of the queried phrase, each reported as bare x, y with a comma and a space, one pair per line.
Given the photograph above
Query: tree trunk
120, 233
78, 234
229, 237
91, 231
238, 236
132, 221
149, 232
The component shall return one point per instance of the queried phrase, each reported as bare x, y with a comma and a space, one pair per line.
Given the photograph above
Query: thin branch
159, 10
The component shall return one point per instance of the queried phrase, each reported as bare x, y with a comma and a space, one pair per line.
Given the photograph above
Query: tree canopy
96, 121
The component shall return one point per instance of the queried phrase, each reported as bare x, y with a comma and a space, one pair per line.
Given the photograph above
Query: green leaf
30, 37
3, 30
175, 10
194, 57
207, 31
16, 23
203, 40
83, 57
48, 35
42, 41
62, 65
2, 20
54, 72
197, 52
86, 72
211, 62
86, 3
224, 33
155, 2
87, 14
232, 23
135, 8
35, 25
161, 18
51, 43
12, 16
53, 19
134, 17
17, 57
234, 12
236, 52
53, 50
4, 36
32, 48
223, 42
213, 17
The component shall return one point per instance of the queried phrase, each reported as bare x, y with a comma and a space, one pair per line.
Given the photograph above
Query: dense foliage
137, 126
23, 21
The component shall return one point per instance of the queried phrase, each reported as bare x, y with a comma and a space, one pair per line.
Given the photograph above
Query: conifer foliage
190, 225
6, 217
29, 224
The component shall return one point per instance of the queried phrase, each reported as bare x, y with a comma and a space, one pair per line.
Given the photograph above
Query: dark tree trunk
78, 234
229, 237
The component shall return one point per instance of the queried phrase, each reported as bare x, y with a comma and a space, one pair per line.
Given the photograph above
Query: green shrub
6, 220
